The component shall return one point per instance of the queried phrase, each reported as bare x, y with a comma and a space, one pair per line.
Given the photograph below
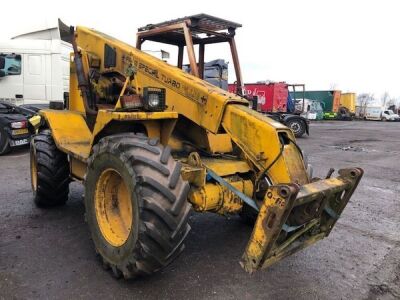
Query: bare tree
333, 86
385, 99
391, 102
394, 104
363, 100
397, 104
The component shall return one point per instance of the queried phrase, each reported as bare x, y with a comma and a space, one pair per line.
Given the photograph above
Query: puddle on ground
353, 148
364, 141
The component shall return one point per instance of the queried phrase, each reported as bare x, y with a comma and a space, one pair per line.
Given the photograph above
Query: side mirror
2, 62
164, 54
2, 73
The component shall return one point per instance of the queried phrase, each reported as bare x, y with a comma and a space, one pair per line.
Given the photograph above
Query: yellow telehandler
150, 142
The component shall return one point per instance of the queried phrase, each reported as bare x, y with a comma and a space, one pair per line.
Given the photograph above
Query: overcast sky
349, 45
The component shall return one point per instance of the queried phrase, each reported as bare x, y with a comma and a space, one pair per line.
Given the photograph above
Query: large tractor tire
136, 204
298, 127
49, 171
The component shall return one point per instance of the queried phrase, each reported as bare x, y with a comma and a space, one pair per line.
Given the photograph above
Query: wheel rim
295, 127
113, 206
33, 170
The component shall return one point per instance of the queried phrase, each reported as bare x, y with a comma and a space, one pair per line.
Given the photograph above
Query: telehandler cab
149, 142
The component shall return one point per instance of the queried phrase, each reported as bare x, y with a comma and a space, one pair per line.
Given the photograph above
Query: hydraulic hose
82, 77
264, 172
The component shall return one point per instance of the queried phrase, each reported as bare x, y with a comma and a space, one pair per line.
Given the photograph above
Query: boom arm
207, 106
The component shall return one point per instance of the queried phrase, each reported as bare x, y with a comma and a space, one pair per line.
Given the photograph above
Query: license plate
19, 131
21, 142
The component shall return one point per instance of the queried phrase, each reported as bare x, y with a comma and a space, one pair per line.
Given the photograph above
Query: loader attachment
293, 217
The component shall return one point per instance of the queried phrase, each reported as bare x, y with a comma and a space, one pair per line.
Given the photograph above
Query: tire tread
52, 171
163, 205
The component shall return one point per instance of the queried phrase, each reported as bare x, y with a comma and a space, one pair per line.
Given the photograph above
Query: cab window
12, 64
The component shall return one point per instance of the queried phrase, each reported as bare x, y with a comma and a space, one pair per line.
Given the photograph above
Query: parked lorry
272, 96
36, 69
348, 100
272, 99
330, 101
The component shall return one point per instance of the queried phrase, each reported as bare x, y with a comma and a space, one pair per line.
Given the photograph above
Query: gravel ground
48, 253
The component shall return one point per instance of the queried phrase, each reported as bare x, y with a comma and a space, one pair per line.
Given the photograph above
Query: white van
389, 115
373, 113
376, 113
35, 68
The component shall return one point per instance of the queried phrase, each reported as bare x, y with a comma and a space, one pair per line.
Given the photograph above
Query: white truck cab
310, 109
34, 68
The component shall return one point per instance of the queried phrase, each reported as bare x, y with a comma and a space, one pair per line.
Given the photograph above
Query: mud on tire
158, 197
49, 171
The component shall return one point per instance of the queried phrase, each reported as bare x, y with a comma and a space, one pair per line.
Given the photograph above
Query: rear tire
49, 171
141, 227
298, 127
4, 142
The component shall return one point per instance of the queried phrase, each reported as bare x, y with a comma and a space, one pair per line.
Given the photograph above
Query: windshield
12, 64
316, 106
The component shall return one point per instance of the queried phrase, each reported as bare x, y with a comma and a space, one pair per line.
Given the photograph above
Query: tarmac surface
49, 254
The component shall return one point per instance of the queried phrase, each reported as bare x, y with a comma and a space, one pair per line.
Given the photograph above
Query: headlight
18, 125
154, 99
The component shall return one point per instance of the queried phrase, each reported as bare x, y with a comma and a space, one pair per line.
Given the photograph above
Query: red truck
272, 100
272, 97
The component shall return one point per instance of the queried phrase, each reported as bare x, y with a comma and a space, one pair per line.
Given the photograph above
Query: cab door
34, 78
11, 84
